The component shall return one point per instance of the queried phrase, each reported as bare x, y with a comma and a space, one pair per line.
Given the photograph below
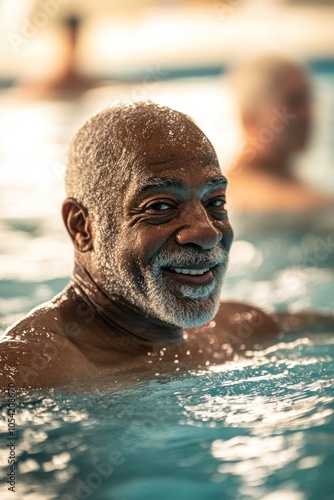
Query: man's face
169, 254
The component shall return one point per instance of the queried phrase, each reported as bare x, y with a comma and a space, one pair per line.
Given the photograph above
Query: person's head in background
274, 99
70, 27
62, 76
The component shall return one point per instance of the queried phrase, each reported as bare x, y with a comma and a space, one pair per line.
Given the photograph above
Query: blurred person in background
62, 78
274, 99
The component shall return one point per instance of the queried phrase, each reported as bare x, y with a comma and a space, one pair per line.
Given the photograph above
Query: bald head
266, 87
260, 79
111, 145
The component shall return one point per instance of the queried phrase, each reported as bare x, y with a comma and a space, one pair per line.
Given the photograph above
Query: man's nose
198, 229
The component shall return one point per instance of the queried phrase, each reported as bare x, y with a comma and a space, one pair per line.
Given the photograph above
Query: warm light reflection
264, 391
244, 256
254, 458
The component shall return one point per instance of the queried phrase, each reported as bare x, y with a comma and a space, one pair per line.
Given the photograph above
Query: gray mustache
189, 257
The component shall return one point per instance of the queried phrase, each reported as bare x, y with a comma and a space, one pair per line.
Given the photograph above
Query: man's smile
193, 272
192, 275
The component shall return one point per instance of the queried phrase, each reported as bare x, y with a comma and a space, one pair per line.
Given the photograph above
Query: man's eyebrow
219, 181
156, 183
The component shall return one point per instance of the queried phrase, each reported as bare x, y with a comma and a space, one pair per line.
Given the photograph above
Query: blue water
258, 427
250, 428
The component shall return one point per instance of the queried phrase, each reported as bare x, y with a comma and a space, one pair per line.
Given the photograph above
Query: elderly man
146, 211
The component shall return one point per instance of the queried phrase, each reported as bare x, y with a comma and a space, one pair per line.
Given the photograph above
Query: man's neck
119, 317
266, 162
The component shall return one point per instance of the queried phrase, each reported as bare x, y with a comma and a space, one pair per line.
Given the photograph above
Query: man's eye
217, 203
160, 206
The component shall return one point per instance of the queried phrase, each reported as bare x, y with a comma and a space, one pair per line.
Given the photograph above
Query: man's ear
78, 224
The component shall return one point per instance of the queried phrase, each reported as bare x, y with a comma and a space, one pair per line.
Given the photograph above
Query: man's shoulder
35, 353
244, 323
40, 326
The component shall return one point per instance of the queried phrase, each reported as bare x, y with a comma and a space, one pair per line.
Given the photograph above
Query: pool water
258, 427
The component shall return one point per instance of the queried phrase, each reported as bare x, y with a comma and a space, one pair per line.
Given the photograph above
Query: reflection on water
245, 430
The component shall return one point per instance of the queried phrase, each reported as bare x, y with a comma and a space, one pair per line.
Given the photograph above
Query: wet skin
67, 341
175, 200
176, 208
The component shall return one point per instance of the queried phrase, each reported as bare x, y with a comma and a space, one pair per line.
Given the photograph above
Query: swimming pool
257, 427
261, 427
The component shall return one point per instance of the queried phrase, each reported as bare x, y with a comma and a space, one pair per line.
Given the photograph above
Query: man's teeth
193, 272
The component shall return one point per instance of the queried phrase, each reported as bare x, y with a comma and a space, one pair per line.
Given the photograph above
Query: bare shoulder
298, 196
34, 354
245, 323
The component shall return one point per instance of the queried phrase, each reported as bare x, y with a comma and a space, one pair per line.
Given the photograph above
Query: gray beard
195, 306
